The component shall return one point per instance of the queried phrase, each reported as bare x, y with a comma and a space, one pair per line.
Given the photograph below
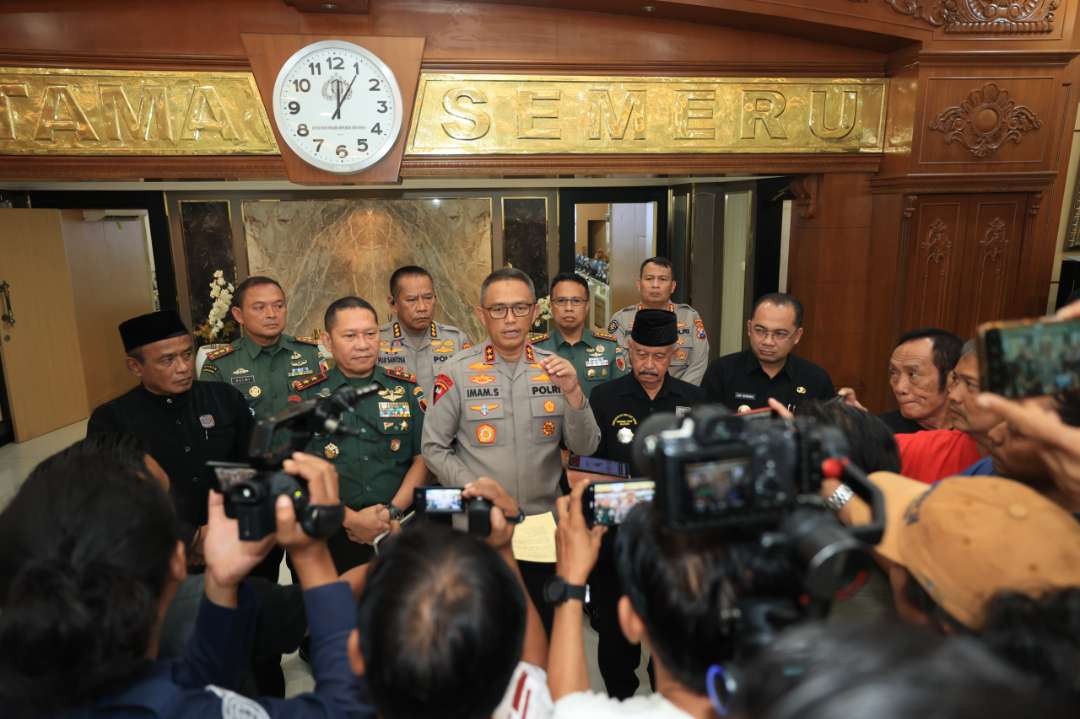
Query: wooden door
43, 368
112, 280
963, 255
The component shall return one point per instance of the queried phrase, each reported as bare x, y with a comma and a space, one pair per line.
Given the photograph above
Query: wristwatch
841, 496
557, 591
519, 518
395, 513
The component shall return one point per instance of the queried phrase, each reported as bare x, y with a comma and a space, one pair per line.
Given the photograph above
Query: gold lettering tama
119, 112
522, 114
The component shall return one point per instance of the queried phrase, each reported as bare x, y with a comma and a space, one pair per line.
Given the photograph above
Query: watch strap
840, 497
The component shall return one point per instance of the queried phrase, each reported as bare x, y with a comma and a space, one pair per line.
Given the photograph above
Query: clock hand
337, 95
344, 97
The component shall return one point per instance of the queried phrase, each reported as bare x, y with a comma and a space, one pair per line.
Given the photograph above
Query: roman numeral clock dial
337, 106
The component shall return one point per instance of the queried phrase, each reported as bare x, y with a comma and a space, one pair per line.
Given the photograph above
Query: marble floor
16, 461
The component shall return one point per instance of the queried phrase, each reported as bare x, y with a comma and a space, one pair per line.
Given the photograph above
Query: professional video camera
252, 489
753, 483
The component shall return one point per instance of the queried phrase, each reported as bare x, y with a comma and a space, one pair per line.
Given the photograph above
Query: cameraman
675, 589
90, 559
446, 628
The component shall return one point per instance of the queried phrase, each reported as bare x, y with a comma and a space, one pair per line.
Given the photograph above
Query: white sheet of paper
534, 539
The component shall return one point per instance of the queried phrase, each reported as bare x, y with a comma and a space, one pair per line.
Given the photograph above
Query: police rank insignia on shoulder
314, 341
302, 384
220, 352
398, 373
601, 334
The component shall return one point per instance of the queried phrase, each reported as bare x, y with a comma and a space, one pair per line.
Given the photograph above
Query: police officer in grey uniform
501, 408
413, 341
656, 283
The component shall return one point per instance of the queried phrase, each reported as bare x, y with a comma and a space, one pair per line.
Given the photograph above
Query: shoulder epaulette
398, 373
601, 334
302, 384
221, 352
535, 337
308, 340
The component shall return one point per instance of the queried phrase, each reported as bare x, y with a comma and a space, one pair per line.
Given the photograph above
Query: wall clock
337, 106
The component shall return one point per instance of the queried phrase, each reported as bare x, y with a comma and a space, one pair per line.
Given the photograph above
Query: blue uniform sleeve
220, 647
331, 612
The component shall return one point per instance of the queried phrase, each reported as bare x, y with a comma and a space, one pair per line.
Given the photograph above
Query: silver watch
839, 498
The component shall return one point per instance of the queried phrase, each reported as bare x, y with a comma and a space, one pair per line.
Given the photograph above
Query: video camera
449, 500
753, 484
252, 489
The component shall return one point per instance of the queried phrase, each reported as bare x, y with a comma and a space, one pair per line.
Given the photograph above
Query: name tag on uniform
745, 395
390, 359
242, 379
597, 361
394, 409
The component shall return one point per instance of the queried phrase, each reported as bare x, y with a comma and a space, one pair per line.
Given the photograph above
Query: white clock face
337, 106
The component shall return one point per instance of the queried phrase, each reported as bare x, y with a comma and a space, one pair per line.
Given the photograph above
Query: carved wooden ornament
982, 16
985, 121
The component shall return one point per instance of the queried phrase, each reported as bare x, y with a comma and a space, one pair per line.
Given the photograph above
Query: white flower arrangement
218, 320
544, 303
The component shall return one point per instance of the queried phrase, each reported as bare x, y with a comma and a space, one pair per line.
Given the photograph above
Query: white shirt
527, 696
590, 705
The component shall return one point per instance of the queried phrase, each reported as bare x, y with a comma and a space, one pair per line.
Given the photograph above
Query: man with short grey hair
500, 409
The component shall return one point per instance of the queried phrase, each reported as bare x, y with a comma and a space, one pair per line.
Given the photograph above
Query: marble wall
321, 250
206, 230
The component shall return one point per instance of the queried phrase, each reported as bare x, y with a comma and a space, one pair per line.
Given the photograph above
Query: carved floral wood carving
993, 244
985, 120
982, 16
937, 245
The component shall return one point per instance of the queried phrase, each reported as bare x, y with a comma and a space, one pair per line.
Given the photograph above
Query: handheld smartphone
1029, 358
760, 413
438, 500
608, 503
595, 465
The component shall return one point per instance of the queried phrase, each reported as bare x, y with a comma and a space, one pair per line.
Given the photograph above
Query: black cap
655, 328
144, 329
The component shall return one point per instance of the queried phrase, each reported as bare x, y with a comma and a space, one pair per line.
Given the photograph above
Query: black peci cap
151, 327
655, 328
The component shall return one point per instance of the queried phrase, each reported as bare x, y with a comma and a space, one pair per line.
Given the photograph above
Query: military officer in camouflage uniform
265, 362
501, 408
656, 284
596, 355
413, 341
380, 466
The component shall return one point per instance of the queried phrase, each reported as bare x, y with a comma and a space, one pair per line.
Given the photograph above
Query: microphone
330, 411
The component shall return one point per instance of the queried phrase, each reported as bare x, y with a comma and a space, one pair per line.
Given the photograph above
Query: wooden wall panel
934, 253
991, 262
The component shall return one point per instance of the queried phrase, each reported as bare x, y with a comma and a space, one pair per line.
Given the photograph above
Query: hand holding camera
577, 546
503, 509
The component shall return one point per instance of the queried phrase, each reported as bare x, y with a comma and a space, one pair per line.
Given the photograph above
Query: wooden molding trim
982, 17
63, 168
120, 61
603, 166
997, 57
667, 69
989, 182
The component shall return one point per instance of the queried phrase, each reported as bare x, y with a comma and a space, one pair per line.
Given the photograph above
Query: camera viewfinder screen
231, 476
718, 486
442, 500
612, 501
1041, 358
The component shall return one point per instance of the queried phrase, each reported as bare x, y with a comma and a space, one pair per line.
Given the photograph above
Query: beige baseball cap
964, 539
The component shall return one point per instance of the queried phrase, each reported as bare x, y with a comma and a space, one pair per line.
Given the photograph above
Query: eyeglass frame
499, 312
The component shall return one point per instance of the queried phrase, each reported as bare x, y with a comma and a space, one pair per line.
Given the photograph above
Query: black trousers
535, 574
618, 658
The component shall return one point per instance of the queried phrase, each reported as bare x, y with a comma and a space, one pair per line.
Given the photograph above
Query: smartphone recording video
608, 503
596, 465
1029, 358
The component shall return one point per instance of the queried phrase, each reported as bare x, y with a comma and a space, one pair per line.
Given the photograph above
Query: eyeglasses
763, 333
569, 301
499, 311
